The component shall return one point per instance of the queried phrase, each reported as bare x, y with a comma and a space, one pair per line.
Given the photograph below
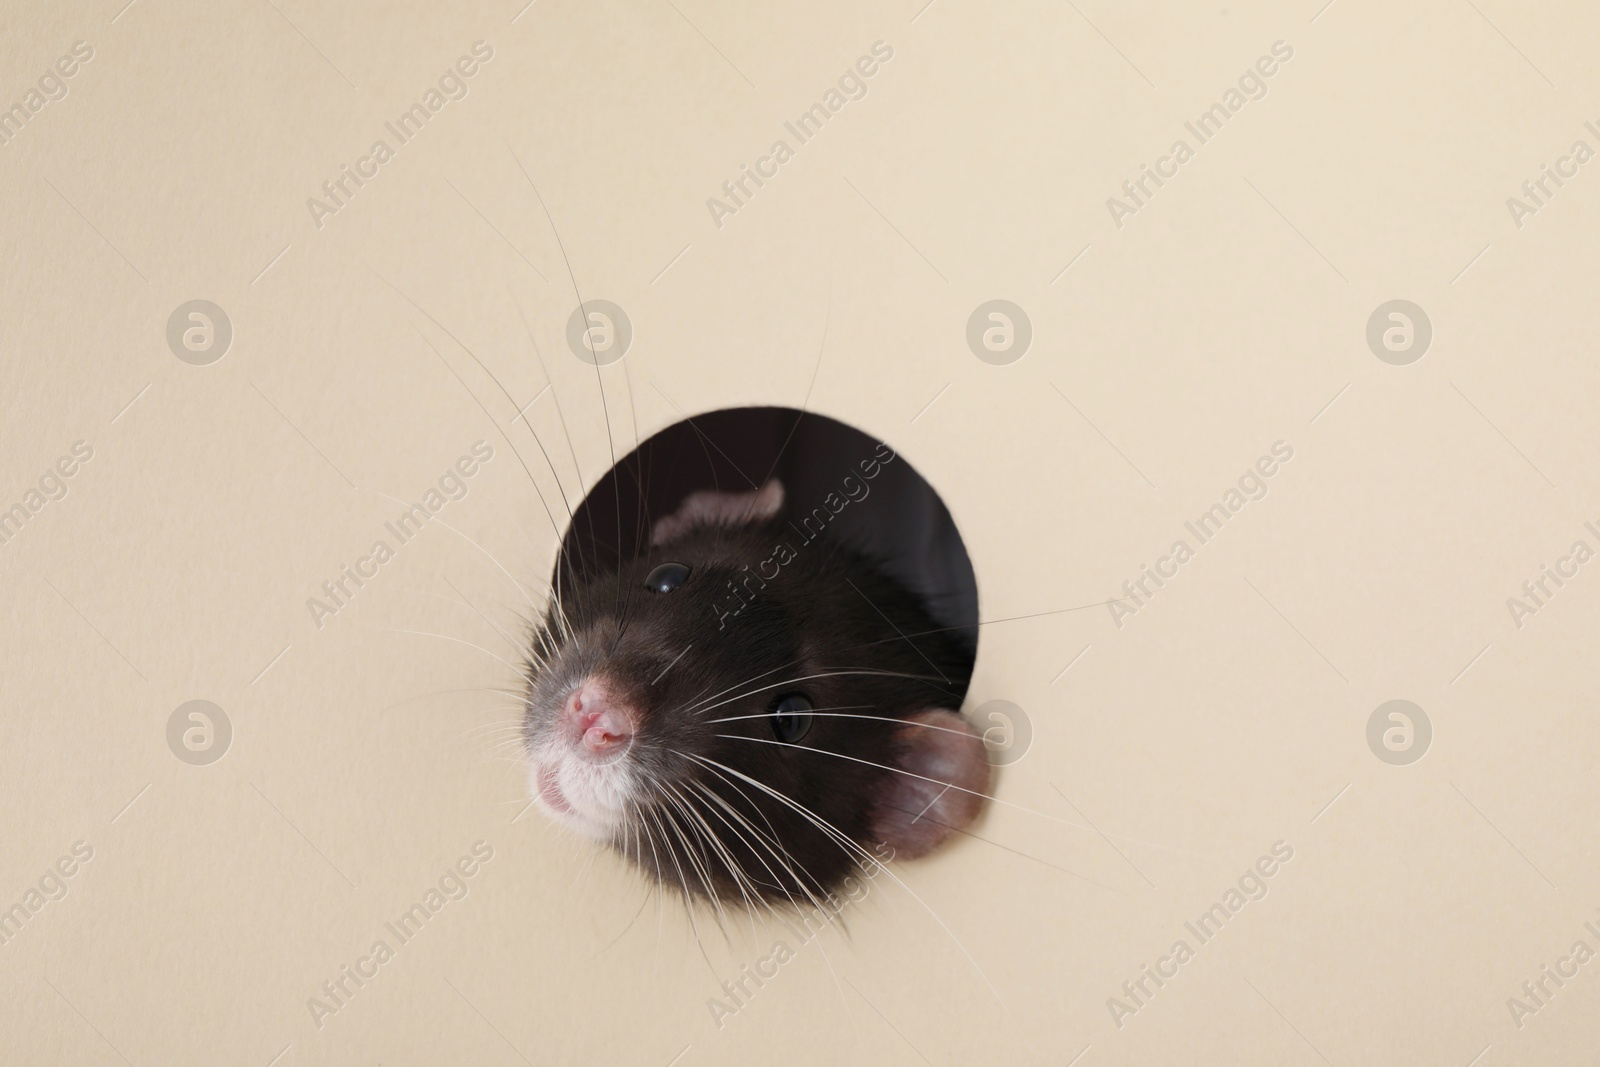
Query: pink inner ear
951, 769
712, 507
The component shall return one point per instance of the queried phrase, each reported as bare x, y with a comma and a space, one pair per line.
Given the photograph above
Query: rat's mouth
550, 790
573, 796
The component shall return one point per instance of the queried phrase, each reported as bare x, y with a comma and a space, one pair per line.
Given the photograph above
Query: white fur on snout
595, 795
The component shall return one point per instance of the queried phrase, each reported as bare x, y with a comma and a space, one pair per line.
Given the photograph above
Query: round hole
838, 482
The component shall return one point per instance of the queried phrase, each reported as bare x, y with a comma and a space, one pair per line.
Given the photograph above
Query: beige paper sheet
1371, 256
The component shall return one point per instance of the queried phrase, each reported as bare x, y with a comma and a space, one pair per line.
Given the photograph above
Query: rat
748, 714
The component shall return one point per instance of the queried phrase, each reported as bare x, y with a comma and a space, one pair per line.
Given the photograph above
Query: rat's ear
712, 507
951, 768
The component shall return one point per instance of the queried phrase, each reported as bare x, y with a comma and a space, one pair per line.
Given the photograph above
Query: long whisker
443, 692
711, 796
584, 312
899, 632
624, 932
549, 463
839, 835
688, 837
640, 541
826, 713
443, 637
491, 418
474, 544
509, 639
802, 884
808, 677
556, 610
683, 883
640, 825
740, 835
474, 396
936, 781
488, 729
725, 855
827, 320
987, 622
809, 884
538, 354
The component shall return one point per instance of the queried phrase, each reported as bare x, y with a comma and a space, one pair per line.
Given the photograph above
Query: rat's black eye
791, 718
666, 577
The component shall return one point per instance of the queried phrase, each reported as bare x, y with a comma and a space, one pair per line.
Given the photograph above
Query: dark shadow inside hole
901, 521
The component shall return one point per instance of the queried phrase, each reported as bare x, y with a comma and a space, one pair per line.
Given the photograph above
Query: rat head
745, 717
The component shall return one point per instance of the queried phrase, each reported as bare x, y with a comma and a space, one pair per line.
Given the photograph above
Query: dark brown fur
830, 625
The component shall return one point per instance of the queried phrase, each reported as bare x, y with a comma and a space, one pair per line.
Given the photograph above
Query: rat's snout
580, 767
595, 722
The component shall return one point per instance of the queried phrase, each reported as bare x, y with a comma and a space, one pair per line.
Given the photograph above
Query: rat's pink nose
595, 721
